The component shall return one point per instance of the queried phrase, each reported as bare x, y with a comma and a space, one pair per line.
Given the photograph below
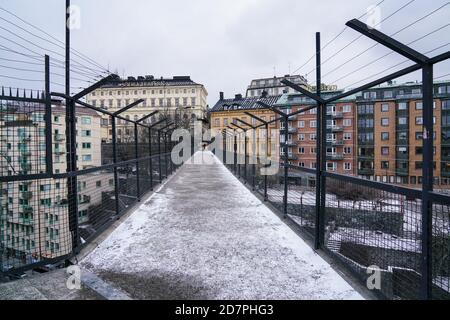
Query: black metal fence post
245, 157
255, 145
235, 153
159, 156
48, 119
136, 153
321, 144
150, 157
116, 176
286, 165
427, 181
166, 163
267, 158
224, 146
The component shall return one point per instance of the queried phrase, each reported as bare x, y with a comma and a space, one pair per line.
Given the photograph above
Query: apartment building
177, 97
273, 86
390, 132
302, 131
227, 111
34, 220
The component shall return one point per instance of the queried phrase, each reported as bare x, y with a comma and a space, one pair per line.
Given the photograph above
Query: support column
427, 181
286, 165
116, 177
136, 155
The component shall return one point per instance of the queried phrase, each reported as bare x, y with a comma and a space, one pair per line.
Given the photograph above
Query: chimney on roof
221, 95
238, 97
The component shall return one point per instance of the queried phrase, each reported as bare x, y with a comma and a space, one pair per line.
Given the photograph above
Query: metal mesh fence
367, 225
46, 216
441, 248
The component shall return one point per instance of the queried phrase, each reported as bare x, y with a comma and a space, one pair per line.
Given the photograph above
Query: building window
419, 150
301, 150
402, 121
225, 121
301, 124
347, 108
419, 135
86, 120
402, 106
388, 94
385, 122
85, 133
301, 137
419, 120
347, 136
347, 166
347, 150
384, 164
385, 136
87, 157
419, 105
313, 123
313, 137
385, 107
385, 151
347, 122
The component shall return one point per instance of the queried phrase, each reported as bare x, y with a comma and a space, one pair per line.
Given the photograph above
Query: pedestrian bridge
201, 235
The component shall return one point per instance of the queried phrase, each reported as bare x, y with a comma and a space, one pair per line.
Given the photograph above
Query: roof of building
289, 99
242, 103
151, 81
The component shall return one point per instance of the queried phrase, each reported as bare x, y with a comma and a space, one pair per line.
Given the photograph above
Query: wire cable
360, 36
376, 44
334, 39
52, 37
75, 62
396, 65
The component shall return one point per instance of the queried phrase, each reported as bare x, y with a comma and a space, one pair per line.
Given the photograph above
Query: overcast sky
223, 44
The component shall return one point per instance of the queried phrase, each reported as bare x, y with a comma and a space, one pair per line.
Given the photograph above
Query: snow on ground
205, 236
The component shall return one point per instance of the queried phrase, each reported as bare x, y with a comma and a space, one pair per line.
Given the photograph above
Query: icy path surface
205, 236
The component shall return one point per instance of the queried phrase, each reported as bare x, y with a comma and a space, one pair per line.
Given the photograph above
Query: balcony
335, 156
335, 128
290, 143
59, 152
335, 142
27, 195
59, 137
25, 166
290, 130
366, 172
26, 221
26, 209
337, 115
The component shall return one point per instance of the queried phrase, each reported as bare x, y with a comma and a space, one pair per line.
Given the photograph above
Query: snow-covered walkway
205, 236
